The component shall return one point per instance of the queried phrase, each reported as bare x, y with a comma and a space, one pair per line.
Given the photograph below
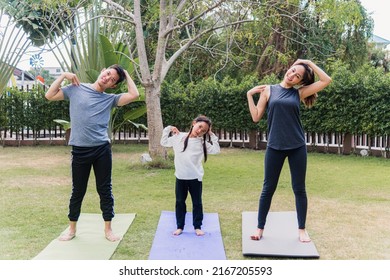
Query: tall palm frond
13, 44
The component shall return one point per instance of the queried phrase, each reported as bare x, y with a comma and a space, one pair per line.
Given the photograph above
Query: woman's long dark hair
308, 79
205, 119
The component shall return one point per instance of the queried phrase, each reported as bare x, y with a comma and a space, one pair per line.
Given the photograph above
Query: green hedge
354, 103
224, 102
30, 109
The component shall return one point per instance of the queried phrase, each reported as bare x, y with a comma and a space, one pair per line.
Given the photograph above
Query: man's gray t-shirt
90, 112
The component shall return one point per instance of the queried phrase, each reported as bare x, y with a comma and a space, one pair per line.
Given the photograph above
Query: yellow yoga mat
89, 242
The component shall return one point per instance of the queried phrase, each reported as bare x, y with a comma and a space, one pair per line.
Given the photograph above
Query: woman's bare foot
110, 236
304, 236
199, 232
68, 236
178, 231
258, 234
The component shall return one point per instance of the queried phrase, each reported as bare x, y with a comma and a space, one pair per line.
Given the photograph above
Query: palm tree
13, 44
79, 37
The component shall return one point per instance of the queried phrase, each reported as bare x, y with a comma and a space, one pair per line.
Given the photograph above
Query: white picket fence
332, 143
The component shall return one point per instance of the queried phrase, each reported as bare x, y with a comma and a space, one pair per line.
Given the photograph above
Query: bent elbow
328, 81
255, 119
47, 96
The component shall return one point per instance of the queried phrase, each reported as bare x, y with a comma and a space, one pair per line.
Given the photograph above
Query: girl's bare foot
199, 232
258, 234
304, 236
178, 231
110, 236
68, 236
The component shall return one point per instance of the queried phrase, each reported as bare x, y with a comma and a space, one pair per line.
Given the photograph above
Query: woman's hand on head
256, 89
304, 61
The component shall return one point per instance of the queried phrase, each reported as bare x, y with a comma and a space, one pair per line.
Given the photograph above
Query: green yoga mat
89, 242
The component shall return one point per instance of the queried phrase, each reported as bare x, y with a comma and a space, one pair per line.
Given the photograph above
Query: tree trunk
347, 144
155, 124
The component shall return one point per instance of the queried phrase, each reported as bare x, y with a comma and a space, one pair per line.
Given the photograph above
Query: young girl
190, 149
286, 137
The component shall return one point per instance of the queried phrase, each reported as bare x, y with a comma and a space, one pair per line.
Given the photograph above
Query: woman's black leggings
83, 159
273, 163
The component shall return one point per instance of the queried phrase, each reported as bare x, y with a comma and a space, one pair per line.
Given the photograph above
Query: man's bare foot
304, 236
178, 231
199, 232
110, 236
258, 234
67, 237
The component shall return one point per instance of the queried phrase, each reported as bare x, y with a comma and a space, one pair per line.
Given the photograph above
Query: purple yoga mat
187, 246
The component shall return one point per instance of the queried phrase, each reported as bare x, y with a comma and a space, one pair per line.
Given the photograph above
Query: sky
378, 9
380, 12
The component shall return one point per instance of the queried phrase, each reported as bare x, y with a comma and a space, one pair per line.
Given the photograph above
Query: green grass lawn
348, 217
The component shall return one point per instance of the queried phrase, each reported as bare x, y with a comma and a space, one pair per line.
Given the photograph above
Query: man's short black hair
120, 71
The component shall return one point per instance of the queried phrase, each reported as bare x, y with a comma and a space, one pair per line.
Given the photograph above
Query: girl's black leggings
83, 159
194, 187
273, 163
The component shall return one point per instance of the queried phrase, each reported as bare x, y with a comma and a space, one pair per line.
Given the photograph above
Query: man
90, 109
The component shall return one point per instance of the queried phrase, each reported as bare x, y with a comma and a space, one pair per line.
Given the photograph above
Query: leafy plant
65, 124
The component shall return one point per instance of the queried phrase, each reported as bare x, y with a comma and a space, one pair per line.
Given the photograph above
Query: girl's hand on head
174, 130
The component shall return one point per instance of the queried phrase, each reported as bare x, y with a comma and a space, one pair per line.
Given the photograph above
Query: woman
285, 135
